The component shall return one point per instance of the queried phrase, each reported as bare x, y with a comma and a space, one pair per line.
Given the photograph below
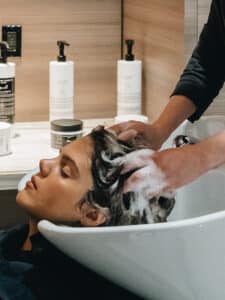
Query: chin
19, 197
22, 199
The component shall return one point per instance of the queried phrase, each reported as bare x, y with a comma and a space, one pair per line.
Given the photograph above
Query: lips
31, 184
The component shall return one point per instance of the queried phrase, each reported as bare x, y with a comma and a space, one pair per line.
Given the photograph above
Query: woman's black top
204, 74
46, 273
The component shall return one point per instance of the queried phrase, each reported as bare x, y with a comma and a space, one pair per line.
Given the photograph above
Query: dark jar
64, 131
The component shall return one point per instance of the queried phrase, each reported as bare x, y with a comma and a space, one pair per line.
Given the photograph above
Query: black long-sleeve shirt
45, 273
204, 75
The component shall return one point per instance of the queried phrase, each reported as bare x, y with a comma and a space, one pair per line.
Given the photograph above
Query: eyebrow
73, 163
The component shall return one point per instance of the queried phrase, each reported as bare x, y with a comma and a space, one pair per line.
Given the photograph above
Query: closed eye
68, 167
65, 171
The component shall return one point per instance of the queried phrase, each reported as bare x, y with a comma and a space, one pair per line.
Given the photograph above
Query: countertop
30, 143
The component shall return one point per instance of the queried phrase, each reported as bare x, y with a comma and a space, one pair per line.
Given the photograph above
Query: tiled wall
158, 29
93, 28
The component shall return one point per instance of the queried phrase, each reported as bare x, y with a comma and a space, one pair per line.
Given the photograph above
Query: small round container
64, 131
5, 135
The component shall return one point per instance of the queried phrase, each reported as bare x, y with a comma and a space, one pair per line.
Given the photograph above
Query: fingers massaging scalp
135, 207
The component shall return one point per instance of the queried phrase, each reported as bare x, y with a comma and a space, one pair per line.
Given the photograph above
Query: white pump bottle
7, 86
61, 89
129, 86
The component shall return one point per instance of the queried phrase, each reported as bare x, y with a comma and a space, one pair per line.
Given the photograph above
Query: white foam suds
149, 179
135, 159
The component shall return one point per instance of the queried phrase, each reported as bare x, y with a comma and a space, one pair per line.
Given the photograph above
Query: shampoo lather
129, 77
61, 81
7, 86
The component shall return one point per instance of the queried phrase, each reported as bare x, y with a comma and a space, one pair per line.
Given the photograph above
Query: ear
92, 216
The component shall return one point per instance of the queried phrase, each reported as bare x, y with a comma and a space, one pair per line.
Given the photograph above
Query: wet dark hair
106, 194
107, 178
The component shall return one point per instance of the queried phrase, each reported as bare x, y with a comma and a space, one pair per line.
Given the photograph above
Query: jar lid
67, 125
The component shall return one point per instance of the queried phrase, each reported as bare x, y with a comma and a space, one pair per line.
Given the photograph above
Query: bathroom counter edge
31, 142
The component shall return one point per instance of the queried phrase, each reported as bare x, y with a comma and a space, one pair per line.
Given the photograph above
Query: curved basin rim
45, 225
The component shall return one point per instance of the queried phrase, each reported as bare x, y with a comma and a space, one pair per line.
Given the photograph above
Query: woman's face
55, 192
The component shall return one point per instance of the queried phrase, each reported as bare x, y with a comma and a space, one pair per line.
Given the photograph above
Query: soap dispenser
129, 77
7, 86
61, 86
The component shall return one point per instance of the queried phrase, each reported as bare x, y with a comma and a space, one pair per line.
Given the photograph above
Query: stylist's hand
146, 134
163, 171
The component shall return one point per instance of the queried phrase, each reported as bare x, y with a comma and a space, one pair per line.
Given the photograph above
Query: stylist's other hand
147, 177
145, 134
161, 172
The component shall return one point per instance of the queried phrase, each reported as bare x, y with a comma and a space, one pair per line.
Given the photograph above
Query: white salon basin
183, 259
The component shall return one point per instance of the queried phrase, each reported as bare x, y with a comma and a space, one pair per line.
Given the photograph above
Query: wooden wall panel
190, 26
157, 27
93, 28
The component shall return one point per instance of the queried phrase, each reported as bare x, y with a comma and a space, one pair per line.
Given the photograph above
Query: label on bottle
60, 109
7, 99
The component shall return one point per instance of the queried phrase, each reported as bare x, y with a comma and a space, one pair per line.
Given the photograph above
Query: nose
46, 166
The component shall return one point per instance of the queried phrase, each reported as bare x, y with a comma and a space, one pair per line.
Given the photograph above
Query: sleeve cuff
195, 95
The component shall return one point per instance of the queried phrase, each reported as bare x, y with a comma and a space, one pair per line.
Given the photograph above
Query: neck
32, 230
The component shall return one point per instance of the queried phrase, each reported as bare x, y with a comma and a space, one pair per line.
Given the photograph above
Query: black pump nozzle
129, 55
4, 52
61, 45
